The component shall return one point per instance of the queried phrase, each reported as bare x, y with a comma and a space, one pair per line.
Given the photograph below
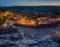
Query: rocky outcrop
14, 37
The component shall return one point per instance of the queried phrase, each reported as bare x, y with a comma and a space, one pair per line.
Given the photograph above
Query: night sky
29, 2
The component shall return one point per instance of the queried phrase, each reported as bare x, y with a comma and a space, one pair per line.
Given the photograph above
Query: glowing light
24, 20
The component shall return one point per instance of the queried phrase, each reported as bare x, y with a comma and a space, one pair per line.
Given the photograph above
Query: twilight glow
29, 2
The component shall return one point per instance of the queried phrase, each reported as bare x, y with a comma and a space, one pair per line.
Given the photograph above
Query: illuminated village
29, 23
16, 18
22, 29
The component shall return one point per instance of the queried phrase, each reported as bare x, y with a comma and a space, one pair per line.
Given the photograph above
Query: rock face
56, 36
14, 37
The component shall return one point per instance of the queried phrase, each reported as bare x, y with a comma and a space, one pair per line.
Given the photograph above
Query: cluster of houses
22, 19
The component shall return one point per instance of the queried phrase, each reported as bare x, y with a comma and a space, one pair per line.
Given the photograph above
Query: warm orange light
38, 19
24, 20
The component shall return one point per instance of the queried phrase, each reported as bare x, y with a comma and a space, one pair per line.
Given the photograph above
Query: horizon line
34, 5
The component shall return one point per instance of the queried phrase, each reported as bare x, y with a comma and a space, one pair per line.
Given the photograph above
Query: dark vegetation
36, 11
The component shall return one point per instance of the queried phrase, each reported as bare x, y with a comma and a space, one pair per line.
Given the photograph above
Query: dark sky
28, 2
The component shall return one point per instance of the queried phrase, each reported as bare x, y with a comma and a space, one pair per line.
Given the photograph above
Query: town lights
24, 20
